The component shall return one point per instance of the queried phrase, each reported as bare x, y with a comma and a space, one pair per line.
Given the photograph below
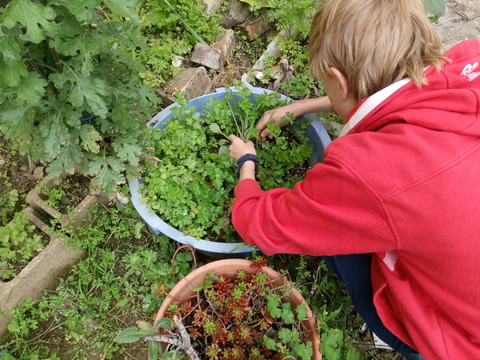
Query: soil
17, 173
75, 188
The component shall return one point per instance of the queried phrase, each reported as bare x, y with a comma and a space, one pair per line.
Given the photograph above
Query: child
395, 207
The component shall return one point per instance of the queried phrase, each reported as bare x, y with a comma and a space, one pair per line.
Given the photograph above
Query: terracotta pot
229, 268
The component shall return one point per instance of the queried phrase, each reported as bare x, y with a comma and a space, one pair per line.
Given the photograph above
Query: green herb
191, 186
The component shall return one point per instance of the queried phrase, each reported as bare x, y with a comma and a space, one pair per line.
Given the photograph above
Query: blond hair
373, 43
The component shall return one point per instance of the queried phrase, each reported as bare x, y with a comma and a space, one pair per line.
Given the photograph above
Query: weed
113, 285
172, 29
18, 245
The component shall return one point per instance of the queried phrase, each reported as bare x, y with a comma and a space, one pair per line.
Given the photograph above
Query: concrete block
236, 13
192, 82
226, 44
45, 270
208, 56
79, 213
42, 273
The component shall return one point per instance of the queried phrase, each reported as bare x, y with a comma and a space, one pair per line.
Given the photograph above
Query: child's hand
238, 148
275, 116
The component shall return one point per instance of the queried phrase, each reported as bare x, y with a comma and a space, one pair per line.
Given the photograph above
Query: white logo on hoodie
468, 71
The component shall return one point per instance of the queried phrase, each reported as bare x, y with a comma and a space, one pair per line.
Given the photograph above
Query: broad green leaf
107, 172
154, 349
122, 302
69, 155
30, 89
127, 149
215, 128
164, 323
33, 16
270, 344
435, 7
223, 150
301, 311
18, 122
287, 313
55, 133
285, 335
10, 47
353, 354
332, 344
13, 74
305, 351
132, 335
84, 88
89, 137
257, 4
79, 7
79, 41
123, 8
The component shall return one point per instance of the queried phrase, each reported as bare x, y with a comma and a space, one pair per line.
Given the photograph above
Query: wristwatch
246, 157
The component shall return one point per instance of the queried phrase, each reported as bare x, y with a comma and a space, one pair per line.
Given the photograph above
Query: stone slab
236, 13
192, 82
226, 43
208, 56
256, 26
212, 5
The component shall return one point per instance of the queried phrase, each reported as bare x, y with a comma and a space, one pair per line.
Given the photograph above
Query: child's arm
297, 108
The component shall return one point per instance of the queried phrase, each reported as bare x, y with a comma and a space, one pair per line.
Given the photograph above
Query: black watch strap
246, 157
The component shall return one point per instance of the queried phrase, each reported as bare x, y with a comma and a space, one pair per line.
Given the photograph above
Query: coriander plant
190, 178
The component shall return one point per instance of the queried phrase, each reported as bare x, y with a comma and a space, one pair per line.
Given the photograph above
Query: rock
121, 200
38, 172
208, 56
212, 5
236, 13
226, 44
256, 26
192, 82
460, 22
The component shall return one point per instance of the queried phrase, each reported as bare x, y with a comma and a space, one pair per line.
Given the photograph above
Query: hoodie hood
450, 92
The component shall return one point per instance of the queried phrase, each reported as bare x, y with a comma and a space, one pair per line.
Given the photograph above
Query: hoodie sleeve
331, 212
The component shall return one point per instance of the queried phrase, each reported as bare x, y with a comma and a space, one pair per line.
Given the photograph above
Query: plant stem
35, 67
235, 119
55, 56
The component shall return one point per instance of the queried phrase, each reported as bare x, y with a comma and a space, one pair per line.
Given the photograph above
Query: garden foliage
172, 28
70, 93
247, 316
190, 180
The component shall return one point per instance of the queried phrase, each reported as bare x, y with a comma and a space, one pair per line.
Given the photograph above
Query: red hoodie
401, 184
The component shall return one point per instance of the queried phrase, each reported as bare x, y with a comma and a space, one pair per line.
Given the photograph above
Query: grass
115, 285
